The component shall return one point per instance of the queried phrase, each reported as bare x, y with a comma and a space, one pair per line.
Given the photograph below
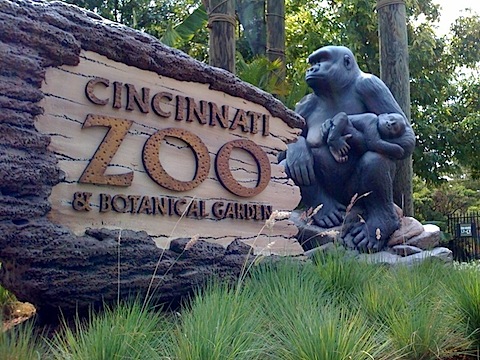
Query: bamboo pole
394, 71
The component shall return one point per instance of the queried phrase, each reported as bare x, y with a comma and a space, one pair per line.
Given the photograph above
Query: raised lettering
117, 94
196, 111
89, 90
133, 203
229, 211
266, 125
240, 119
180, 108
94, 173
123, 207
105, 200
255, 117
151, 153
145, 205
134, 96
162, 206
81, 201
222, 118
217, 210
224, 174
157, 100
176, 208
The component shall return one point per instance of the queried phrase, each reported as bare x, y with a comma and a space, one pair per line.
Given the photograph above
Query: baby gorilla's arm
337, 143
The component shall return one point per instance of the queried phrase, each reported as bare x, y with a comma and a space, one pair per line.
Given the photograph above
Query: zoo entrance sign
145, 151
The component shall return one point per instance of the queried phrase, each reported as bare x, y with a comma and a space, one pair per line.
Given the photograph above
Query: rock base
411, 244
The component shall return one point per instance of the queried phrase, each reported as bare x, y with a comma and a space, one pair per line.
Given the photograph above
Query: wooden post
276, 32
394, 71
221, 21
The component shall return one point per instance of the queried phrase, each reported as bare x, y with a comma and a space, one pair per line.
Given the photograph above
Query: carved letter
194, 111
225, 176
94, 173
215, 115
266, 125
156, 101
117, 92
89, 90
133, 96
240, 119
154, 168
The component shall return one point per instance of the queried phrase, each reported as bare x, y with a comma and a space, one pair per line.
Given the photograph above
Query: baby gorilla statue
364, 132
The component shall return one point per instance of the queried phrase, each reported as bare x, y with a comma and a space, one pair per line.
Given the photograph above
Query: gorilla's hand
299, 163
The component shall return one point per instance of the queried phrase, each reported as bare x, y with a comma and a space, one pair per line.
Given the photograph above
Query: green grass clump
334, 309
221, 323
305, 323
21, 343
125, 332
464, 284
342, 275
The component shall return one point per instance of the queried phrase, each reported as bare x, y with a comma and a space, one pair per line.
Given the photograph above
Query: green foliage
435, 202
127, 331
21, 343
342, 275
286, 310
262, 73
6, 299
465, 291
222, 323
422, 323
179, 35
304, 323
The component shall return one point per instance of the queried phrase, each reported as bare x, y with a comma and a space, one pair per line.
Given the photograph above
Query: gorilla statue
341, 89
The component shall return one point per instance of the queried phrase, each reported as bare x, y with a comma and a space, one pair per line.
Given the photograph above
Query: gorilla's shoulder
369, 84
306, 105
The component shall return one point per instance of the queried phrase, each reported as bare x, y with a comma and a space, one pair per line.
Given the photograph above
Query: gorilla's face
331, 67
321, 63
391, 125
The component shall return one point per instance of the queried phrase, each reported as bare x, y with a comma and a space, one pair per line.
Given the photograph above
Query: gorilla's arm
299, 159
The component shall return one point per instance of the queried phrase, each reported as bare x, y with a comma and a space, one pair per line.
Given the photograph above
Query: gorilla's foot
330, 215
371, 235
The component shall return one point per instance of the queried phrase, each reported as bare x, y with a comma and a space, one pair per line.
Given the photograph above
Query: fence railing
465, 241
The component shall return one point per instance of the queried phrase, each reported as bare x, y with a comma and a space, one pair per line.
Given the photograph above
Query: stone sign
147, 152
127, 167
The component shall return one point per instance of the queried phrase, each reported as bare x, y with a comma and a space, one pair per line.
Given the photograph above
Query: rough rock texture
63, 272
411, 244
409, 227
44, 263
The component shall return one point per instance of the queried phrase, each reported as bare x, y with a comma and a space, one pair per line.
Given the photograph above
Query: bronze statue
355, 130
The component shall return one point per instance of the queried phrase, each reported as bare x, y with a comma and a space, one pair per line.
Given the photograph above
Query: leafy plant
6, 299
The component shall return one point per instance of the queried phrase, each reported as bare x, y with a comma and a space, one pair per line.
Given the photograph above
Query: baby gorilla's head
391, 125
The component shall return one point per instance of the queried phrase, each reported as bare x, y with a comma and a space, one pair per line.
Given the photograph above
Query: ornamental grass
333, 308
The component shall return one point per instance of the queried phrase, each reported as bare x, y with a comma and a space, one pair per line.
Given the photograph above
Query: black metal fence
465, 241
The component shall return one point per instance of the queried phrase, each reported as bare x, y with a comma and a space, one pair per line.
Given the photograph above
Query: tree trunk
394, 71
276, 32
221, 21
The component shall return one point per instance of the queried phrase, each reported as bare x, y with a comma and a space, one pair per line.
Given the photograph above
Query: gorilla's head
331, 68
